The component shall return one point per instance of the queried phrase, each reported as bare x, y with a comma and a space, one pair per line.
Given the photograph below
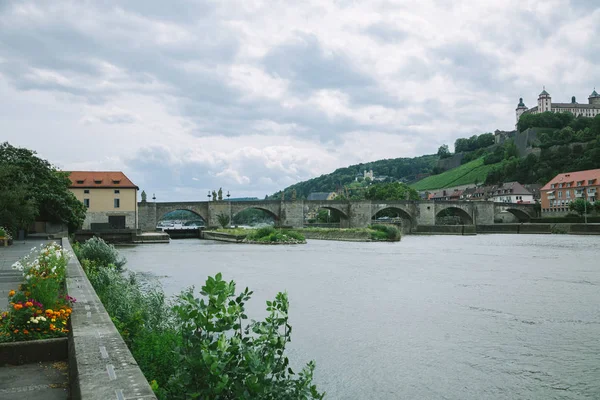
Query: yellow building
110, 199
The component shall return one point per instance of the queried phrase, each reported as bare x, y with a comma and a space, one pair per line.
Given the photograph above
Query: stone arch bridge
353, 214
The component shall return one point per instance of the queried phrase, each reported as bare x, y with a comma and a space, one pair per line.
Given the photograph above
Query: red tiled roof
575, 177
100, 179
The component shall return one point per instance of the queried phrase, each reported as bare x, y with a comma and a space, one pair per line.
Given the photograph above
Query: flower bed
39, 308
5, 237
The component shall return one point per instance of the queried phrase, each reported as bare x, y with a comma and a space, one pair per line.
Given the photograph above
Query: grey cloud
305, 63
386, 33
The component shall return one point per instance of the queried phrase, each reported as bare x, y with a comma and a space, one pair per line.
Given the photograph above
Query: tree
510, 150
17, 208
46, 187
391, 191
223, 220
580, 206
444, 152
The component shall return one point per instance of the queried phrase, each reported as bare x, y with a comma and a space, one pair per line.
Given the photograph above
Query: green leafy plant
223, 220
223, 357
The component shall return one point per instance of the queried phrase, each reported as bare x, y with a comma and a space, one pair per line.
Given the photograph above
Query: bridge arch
268, 211
521, 215
408, 222
458, 213
336, 217
161, 212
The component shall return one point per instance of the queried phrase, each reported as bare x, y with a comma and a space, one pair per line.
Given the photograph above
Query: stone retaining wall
348, 236
100, 364
445, 230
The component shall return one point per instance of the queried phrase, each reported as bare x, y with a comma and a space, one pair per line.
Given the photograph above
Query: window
552, 186
560, 185
80, 182
116, 182
568, 194
117, 191
579, 183
591, 181
86, 191
97, 181
560, 194
117, 203
86, 203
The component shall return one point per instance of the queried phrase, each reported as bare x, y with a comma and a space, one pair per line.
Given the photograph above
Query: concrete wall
100, 364
102, 217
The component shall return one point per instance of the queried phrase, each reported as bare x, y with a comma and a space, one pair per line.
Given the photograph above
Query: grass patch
469, 173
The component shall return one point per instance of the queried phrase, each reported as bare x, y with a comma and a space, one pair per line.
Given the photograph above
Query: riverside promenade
46, 380
96, 364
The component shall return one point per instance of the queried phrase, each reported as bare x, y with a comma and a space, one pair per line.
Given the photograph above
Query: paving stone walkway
9, 278
36, 381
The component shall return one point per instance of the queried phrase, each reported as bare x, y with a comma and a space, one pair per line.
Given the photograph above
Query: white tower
520, 108
544, 101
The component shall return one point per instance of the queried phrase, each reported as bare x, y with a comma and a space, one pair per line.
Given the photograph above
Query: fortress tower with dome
545, 104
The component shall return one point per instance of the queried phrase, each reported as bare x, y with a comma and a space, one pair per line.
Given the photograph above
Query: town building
567, 187
369, 174
109, 196
545, 104
511, 192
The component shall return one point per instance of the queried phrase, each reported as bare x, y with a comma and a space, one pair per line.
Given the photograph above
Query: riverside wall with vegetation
372, 234
266, 235
202, 345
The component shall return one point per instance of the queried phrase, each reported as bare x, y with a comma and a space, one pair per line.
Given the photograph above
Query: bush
223, 357
385, 232
96, 249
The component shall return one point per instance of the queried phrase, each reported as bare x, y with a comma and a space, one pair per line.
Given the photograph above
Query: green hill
395, 169
471, 172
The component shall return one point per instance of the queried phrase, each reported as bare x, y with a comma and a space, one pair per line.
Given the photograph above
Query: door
116, 221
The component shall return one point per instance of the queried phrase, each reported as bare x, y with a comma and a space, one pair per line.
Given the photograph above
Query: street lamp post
208, 195
585, 206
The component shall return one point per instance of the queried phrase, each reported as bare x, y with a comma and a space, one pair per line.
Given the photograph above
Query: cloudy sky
252, 96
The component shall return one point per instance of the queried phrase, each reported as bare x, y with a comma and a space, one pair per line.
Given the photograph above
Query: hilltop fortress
545, 104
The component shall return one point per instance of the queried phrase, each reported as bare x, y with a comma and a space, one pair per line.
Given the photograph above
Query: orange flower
11, 293
16, 331
18, 306
39, 312
52, 327
49, 311
25, 331
29, 304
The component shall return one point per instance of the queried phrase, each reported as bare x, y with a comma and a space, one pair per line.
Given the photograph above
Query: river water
431, 317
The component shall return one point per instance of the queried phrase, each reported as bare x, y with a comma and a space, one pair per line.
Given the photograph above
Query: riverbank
265, 235
525, 228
